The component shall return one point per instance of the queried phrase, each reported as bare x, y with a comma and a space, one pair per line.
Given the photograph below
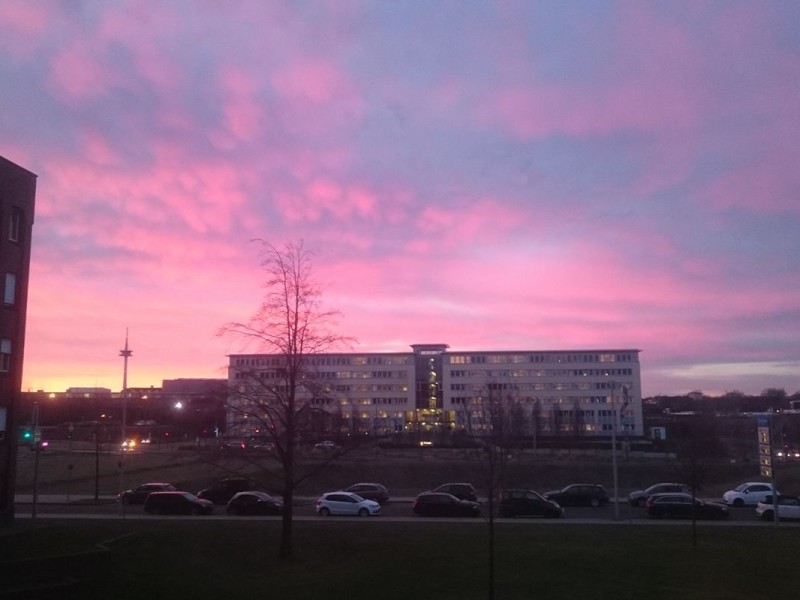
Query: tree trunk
285, 552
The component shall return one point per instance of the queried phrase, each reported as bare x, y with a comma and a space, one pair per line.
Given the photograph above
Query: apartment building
432, 389
17, 196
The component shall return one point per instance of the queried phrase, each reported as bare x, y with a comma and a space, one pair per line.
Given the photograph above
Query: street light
614, 450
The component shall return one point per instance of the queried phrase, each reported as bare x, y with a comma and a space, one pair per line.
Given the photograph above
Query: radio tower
125, 353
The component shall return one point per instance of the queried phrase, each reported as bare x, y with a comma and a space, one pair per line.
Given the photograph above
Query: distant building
431, 389
88, 393
17, 200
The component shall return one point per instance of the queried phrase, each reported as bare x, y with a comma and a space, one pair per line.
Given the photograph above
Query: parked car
234, 446
441, 504
177, 503
750, 493
222, 491
527, 503
788, 508
683, 506
370, 491
140, 494
346, 503
326, 445
462, 491
639, 497
579, 494
254, 503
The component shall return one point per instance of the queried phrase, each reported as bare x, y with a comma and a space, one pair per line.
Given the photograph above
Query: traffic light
26, 435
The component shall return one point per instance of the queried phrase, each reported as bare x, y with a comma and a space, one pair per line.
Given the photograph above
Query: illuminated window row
502, 358
505, 374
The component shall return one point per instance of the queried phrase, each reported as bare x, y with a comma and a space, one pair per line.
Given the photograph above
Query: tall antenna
125, 353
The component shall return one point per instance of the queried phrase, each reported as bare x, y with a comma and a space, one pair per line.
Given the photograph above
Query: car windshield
190, 496
742, 487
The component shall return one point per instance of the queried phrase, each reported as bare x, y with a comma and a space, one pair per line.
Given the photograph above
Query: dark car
527, 503
462, 491
683, 506
254, 503
222, 491
177, 503
579, 494
440, 504
639, 497
140, 494
370, 491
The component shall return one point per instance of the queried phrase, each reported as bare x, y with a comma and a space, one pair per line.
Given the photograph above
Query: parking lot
398, 509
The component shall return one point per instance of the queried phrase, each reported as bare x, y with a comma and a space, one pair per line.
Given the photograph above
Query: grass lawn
198, 559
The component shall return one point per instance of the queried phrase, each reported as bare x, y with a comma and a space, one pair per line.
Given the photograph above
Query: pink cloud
24, 17
321, 197
23, 26
484, 221
243, 112
437, 213
77, 71
98, 150
768, 184
311, 80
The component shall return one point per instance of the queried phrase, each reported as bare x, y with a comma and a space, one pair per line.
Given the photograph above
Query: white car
788, 508
325, 445
750, 493
346, 503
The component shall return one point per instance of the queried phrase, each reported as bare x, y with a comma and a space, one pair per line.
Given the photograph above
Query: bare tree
536, 424
291, 326
487, 420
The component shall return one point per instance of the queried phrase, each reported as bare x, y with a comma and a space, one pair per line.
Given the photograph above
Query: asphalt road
395, 510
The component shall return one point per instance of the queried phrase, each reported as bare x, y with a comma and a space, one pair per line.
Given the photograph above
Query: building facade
429, 390
17, 198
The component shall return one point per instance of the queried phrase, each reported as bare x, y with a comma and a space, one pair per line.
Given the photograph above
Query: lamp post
614, 450
36, 447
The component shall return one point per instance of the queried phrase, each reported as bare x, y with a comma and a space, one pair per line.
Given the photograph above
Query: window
5, 355
10, 291
14, 224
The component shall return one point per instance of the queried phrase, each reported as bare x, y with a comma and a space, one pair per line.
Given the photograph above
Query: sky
511, 175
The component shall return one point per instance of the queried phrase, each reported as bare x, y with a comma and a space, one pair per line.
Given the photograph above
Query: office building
431, 389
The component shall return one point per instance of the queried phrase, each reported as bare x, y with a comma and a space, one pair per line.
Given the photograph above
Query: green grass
373, 559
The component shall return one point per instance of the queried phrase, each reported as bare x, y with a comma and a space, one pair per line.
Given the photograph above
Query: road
395, 511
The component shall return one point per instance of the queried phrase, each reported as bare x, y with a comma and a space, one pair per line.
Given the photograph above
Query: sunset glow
490, 175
